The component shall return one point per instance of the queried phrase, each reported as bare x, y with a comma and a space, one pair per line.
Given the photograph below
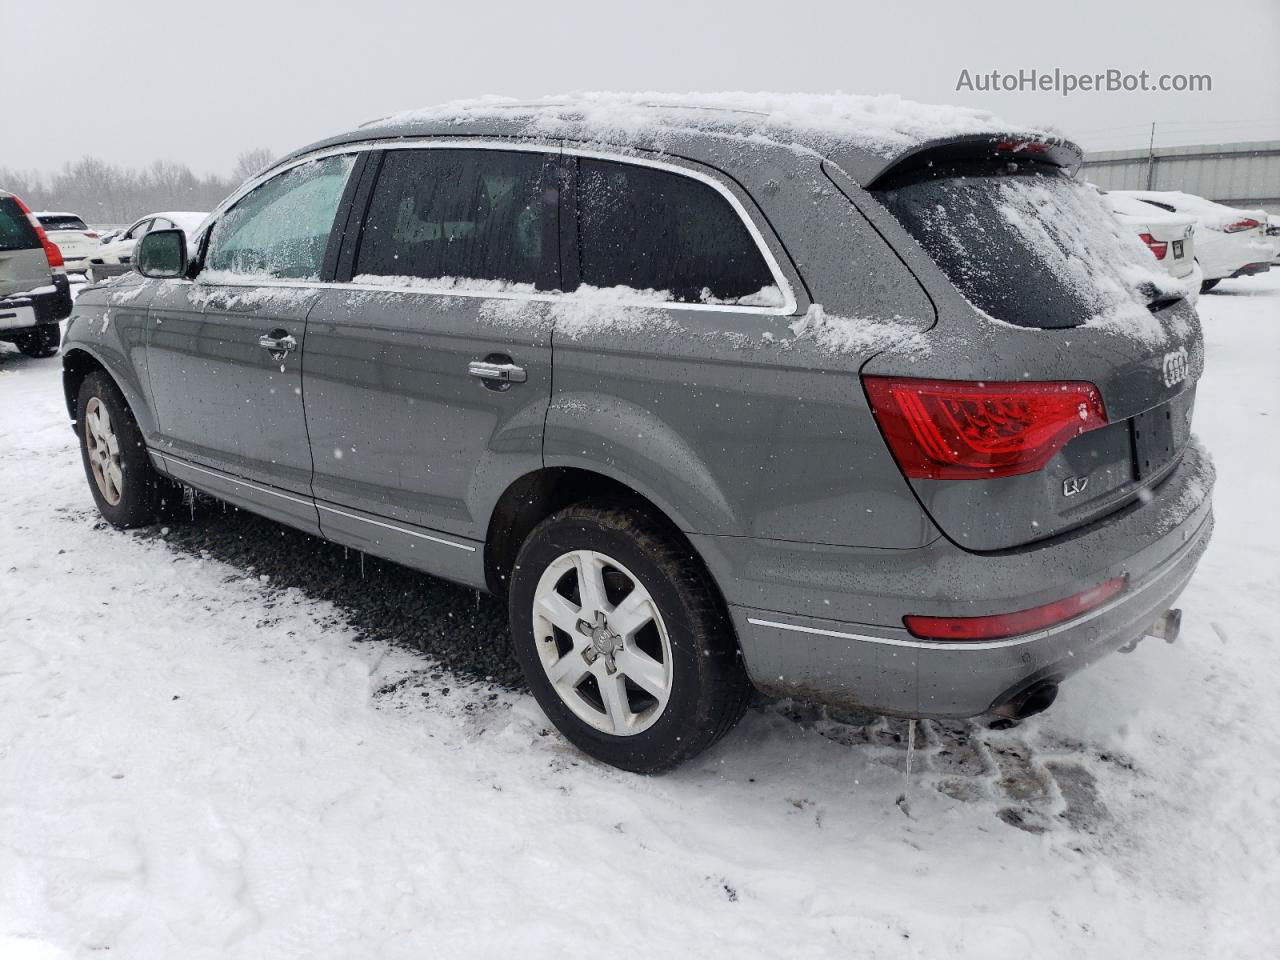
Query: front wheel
42, 342
623, 639
126, 488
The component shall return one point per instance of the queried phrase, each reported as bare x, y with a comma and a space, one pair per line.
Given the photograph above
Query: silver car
716, 398
34, 291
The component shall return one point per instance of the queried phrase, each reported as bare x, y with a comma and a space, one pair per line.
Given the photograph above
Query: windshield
1032, 248
61, 222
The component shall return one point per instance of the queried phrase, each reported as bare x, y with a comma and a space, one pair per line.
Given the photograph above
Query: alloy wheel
602, 642
103, 447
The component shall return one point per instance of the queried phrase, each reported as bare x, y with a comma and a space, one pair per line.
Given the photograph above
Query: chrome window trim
788, 307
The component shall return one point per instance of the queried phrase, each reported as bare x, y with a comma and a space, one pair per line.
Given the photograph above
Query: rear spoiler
996, 148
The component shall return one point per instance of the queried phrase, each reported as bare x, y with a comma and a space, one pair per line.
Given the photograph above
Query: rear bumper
46, 305
871, 662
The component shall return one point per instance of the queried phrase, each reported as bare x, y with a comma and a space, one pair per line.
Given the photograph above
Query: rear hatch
23, 265
1068, 391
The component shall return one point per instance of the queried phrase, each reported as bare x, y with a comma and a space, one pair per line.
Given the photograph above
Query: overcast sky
198, 82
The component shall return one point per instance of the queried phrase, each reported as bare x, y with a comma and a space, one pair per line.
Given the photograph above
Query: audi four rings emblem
1176, 366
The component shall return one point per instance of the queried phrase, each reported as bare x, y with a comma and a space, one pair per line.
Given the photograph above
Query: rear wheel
126, 488
622, 638
1209, 285
41, 342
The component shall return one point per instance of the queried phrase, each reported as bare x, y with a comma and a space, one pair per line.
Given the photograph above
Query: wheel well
76, 365
536, 496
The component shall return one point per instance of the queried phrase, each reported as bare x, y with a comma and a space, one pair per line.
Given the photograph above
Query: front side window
654, 230
281, 228
137, 232
456, 216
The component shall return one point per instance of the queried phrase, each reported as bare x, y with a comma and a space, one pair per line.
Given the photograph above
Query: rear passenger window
659, 231
281, 228
457, 215
16, 232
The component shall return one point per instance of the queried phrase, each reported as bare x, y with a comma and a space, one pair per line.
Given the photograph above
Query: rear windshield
16, 232
1034, 247
59, 222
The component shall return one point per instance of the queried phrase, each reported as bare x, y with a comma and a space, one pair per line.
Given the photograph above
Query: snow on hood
885, 125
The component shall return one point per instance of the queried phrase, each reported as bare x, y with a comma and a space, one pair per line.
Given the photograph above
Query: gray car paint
750, 433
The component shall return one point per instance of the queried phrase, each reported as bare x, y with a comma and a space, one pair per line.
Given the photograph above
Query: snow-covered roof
1207, 212
188, 220
56, 213
1132, 208
862, 133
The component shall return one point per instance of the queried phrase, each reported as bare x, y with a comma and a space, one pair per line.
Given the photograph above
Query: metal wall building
1237, 174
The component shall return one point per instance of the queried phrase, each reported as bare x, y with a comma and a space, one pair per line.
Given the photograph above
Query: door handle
497, 373
279, 343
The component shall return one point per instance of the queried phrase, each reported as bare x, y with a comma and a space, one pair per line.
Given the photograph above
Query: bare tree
250, 163
103, 193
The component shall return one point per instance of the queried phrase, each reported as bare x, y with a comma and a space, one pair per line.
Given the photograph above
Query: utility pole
1151, 159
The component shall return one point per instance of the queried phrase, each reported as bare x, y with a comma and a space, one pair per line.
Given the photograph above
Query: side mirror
162, 254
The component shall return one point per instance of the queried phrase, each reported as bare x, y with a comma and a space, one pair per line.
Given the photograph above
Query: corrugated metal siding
1242, 174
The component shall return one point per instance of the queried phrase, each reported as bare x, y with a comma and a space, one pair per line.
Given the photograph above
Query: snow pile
1104, 265
591, 311
885, 125
438, 284
237, 291
854, 335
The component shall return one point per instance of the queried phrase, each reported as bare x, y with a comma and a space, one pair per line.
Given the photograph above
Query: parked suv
868, 413
34, 291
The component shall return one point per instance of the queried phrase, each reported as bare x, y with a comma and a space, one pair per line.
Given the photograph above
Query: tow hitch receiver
1166, 627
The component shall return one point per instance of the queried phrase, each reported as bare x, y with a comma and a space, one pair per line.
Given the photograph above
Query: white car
120, 250
1229, 242
72, 235
1171, 237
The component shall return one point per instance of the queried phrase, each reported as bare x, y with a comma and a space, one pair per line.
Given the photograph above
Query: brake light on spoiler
1002, 625
972, 429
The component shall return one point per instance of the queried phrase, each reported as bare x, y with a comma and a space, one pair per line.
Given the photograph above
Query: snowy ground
200, 760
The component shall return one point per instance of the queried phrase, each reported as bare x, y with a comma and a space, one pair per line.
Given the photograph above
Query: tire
42, 342
1209, 285
645, 694
126, 488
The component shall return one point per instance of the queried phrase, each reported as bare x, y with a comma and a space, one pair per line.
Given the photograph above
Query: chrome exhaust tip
1167, 626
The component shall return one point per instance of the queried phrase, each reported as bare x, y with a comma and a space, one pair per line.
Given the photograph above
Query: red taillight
1158, 247
965, 429
51, 251
1241, 225
1000, 625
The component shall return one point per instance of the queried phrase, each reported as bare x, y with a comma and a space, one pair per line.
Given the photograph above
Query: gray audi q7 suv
875, 416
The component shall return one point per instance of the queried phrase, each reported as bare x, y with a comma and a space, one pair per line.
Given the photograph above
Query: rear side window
458, 215
56, 222
1031, 249
281, 228
655, 230
16, 232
